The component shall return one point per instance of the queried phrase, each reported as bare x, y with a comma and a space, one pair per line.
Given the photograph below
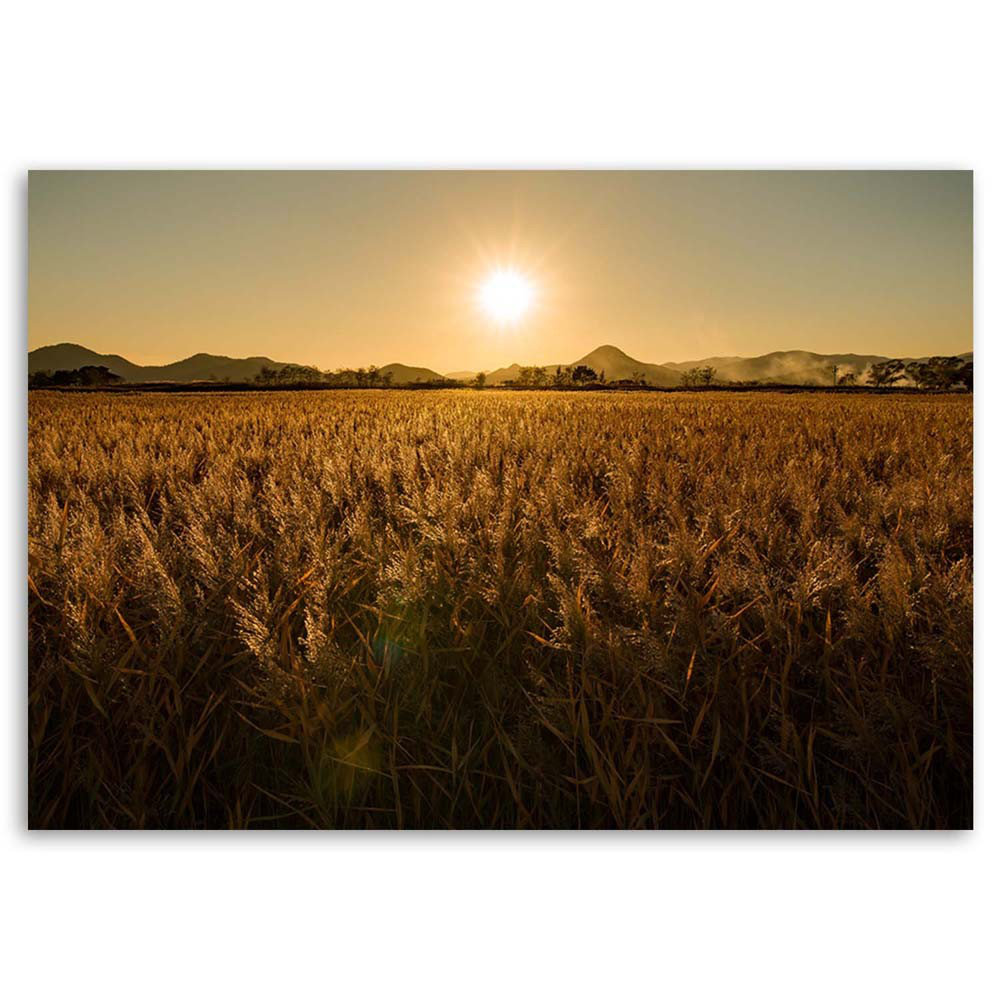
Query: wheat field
497, 610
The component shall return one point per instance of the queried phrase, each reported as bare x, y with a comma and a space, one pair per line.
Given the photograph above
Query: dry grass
494, 610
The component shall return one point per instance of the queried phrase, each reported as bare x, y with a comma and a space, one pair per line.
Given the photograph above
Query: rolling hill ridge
197, 368
792, 367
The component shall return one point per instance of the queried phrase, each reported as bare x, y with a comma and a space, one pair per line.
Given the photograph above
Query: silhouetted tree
698, 376
584, 374
848, 378
90, 375
936, 373
532, 375
480, 380
886, 373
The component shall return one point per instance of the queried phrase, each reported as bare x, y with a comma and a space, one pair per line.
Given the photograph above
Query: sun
506, 296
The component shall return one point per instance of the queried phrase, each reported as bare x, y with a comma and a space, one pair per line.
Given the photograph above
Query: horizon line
709, 357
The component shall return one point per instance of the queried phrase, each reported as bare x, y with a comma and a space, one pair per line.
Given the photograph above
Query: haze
347, 268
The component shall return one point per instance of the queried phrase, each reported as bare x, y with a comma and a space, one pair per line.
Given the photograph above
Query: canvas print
500, 500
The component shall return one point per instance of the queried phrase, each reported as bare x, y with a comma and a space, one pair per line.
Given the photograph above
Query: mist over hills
790, 367
794, 367
787, 366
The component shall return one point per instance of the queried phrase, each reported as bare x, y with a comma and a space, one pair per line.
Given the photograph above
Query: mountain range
197, 368
799, 367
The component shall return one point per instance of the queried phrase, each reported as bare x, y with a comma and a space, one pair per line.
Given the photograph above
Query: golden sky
348, 268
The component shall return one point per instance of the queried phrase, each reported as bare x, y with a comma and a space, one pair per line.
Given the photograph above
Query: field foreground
478, 609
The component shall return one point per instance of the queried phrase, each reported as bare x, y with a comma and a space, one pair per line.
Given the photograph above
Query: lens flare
506, 296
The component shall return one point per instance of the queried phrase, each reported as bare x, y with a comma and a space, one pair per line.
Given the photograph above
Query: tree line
571, 375
933, 373
300, 374
939, 372
93, 375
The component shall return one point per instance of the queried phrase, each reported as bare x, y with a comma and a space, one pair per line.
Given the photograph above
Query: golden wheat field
491, 610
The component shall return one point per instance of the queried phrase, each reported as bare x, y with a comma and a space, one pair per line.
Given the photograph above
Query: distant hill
405, 375
501, 375
66, 357
198, 368
793, 367
616, 364
613, 361
801, 367
212, 368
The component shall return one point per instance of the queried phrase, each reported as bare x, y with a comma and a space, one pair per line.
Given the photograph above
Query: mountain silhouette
501, 375
406, 374
801, 367
66, 357
611, 360
616, 364
197, 368
790, 367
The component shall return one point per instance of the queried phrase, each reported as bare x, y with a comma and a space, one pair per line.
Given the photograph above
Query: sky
348, 268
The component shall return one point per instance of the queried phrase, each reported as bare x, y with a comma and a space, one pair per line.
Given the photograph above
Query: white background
498, 84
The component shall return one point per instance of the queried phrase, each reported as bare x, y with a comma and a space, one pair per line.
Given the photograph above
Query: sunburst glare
506, 296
